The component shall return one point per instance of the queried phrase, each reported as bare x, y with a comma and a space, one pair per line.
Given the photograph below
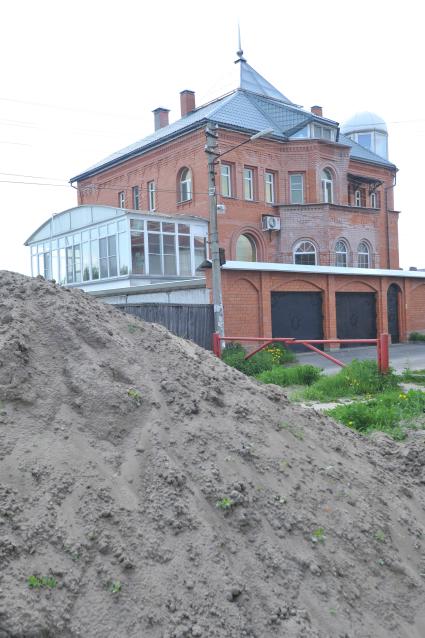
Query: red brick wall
415, 309
310, 157
247, 299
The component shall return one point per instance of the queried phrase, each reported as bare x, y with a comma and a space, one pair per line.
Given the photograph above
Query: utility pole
212, 154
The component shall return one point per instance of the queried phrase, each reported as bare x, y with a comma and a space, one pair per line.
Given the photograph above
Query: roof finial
239, 52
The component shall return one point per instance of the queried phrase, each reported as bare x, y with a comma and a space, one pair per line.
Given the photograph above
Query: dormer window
322, 132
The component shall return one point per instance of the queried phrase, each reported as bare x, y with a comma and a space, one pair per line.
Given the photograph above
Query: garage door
297, 314
356, 315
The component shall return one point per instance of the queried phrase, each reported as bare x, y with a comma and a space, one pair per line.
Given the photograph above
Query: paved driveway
402, 355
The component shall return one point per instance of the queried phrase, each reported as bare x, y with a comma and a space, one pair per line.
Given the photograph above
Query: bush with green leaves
391, 412
356, 379
295, 375
416, 336
234, 355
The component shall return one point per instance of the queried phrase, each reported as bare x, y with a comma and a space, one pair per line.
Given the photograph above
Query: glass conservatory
95, 247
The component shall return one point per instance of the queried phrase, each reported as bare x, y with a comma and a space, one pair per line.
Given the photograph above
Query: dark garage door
356, 315
297, 314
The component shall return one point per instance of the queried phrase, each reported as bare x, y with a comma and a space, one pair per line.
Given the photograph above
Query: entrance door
392, 309
355, 315
297, 314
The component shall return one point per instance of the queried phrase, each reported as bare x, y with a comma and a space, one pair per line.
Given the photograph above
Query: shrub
391, 412
356, 379
234, 355
296, 375
416, 336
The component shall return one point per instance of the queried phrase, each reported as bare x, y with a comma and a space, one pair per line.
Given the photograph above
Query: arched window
305, 253
363, 255
357, 198
373, 200
327, 186
185, 185
341, 252
246, 248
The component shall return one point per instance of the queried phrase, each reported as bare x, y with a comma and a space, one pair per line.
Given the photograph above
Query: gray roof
254, 106
253, 81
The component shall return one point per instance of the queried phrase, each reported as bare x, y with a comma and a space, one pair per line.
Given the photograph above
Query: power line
9, 181
58, 179
69, 108
14, 143
89, 188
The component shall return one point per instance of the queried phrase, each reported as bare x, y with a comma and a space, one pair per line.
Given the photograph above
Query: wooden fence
191, 321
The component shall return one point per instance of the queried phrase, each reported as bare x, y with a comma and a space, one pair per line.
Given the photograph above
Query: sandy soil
117, 441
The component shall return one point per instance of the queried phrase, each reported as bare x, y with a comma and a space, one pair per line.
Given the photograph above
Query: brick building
307, 217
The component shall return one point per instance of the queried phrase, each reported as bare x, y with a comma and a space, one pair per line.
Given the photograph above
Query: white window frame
135, 192
357, 198
248, 184
269, 179
373, 200
121, 199
296, 190
361, 254
318, 131
226, 180
327, 186
151, 196
339, 252
185, 183
303, 244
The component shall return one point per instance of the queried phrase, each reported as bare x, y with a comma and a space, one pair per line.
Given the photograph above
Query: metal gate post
384, 352
216, 344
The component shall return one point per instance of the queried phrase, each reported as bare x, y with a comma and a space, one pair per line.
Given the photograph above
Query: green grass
274, 355
296, 375
391, 412
413, 376
358, 378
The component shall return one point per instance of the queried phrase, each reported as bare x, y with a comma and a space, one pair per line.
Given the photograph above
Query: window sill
183, 203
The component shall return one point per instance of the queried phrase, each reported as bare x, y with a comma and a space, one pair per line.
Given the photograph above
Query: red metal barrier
382, 346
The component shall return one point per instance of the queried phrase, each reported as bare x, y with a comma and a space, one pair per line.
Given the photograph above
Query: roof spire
239, 52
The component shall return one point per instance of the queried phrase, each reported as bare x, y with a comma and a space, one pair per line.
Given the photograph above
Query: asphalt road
402, 356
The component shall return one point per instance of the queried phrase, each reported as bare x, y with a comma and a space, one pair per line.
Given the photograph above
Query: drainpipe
387, 225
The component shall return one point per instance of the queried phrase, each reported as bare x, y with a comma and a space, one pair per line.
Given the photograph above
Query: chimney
187, 102
161, 117
317, 110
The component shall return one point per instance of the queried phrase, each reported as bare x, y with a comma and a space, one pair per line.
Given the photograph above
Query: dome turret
369, 130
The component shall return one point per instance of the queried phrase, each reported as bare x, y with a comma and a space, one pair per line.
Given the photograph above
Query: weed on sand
41, 582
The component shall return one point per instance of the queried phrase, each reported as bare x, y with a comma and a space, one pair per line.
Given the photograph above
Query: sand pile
162, 494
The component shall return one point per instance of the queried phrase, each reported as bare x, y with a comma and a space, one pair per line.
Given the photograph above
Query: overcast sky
80, 79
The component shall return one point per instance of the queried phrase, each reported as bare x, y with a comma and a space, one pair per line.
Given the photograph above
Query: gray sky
80, 79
